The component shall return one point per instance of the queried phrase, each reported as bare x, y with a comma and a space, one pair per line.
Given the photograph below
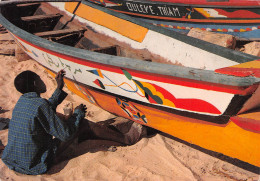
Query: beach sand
156, 158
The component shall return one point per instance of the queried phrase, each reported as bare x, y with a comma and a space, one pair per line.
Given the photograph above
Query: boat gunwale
129, 63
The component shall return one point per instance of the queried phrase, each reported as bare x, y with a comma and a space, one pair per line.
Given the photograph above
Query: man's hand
82, 108
59, 79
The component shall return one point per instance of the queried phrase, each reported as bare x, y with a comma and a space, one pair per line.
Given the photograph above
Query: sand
156, 158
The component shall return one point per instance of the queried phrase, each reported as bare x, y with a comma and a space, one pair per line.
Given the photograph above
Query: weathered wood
111, 50
252, 48
66, 36
60, 32
41, 17
224, 40
21, 10
39, 23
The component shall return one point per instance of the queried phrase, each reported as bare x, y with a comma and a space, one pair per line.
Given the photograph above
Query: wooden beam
60, 32
41, 17
38, 23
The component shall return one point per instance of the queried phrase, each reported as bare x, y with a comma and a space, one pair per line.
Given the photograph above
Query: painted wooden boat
199, 92
239, 18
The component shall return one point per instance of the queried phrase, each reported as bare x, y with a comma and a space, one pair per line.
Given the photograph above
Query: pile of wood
227, 41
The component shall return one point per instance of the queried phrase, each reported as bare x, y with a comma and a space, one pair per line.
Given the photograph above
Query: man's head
29, 81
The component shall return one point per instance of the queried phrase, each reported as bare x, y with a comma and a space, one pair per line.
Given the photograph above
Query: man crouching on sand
31, 147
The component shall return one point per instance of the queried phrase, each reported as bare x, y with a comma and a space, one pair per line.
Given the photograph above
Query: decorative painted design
238, 13
132, 111
221, 13
188, 14
96, 72
159, 95
99, 84
34, 54
242, 70
85, 92
210, 13
156, 94
210, 29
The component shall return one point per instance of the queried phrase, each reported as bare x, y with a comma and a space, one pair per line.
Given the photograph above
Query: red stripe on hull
238, 14
240, 72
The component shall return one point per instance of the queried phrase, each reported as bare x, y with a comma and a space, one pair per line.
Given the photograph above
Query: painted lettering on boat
153, 9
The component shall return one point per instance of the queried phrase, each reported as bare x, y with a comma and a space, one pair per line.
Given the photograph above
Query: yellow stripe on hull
253, 64
121, 26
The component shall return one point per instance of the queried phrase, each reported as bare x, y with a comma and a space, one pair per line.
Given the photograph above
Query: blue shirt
31, 146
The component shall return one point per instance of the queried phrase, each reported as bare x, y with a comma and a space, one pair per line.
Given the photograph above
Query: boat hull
216, 133
240, 21
181, 101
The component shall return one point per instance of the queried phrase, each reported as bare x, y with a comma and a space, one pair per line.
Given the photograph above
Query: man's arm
63, 130
59, 95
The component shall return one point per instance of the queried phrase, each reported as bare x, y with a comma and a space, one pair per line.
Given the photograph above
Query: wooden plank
20, 10
41, 17
38, 23
111, 50
28, 5
65, 36
60, 32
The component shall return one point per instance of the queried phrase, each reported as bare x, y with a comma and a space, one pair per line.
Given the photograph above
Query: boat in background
196, 91
239, 18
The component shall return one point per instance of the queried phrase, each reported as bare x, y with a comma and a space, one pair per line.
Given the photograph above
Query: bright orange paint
229, 139
123, 27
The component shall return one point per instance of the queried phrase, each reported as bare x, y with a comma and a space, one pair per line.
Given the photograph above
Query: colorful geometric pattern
132, 111
210, 29
158, 95
84, 91
96, 72
99, 83
221, 13
242, 70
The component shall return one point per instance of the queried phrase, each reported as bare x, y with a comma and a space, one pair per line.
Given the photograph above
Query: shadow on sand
90, 145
